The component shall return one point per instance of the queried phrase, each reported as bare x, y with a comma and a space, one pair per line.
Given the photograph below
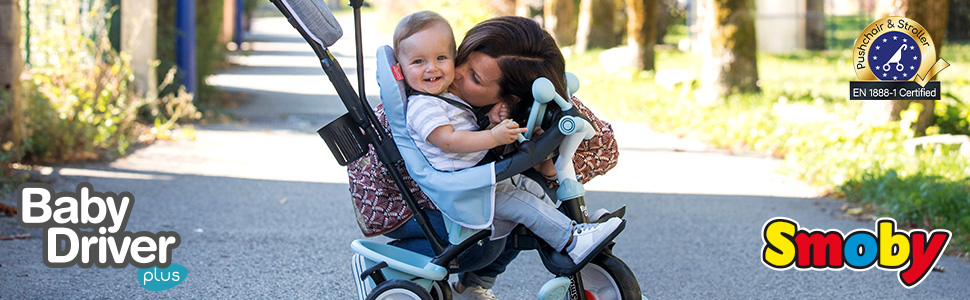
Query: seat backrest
466, 197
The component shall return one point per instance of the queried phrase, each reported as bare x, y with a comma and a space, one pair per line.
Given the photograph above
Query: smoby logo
914, 254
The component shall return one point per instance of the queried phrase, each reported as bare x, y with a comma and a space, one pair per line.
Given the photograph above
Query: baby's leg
522, 200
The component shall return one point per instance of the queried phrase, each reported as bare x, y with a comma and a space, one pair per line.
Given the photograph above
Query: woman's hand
497, 114
547, 168
506, 132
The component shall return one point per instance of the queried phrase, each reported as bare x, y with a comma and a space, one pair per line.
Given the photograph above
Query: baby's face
427, 59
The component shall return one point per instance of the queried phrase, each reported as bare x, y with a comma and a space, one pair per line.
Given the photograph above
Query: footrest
560, 264
402, 263
606, 215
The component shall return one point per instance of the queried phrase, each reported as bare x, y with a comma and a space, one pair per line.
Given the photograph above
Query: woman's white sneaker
475, 292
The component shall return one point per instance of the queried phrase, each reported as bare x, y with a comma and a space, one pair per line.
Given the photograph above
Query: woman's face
476, 80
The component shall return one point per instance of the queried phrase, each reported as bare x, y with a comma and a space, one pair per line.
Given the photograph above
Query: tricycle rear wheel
607, 277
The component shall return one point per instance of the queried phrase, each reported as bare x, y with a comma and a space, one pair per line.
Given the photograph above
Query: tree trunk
620, 21
663, 16
730, 65
584, 26
958, 27
642, 31
603, 32
595, 27
815, 25
138, 37
560, 19
932, 16
12, 106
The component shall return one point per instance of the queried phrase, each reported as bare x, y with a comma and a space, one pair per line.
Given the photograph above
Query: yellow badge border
888, 24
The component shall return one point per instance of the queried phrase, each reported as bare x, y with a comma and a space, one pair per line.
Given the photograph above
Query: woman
498, 59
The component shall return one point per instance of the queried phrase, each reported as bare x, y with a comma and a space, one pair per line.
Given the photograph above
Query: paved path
263, 209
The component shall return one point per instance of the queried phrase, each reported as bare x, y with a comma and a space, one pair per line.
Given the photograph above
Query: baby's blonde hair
417, 21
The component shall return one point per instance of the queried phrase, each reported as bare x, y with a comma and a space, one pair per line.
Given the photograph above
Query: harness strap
446, 99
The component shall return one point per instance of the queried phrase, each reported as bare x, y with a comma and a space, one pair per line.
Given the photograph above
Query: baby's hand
499, 112
506, 132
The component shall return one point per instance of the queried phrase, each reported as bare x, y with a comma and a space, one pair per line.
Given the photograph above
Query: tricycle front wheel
399, 289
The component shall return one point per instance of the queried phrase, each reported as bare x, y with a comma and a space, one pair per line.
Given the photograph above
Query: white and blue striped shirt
425, 113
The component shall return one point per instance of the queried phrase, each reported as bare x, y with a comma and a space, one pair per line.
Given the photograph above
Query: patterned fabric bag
381, 209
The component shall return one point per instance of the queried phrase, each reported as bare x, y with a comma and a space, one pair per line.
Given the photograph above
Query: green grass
675, 33
842, 31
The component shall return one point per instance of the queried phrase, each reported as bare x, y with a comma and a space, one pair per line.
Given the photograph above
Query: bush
10, 152
76, 94
919, 200
80, 102
952, 115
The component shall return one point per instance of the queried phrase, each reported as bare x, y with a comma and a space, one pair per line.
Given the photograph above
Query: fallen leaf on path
854, 211
22, 236
5, 238
283, 201
10, 211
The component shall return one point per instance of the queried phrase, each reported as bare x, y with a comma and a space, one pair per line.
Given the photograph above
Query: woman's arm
463, 141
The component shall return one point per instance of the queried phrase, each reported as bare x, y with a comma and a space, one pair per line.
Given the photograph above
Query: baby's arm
464, 141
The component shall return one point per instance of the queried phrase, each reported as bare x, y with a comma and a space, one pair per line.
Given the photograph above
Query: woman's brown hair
524, 52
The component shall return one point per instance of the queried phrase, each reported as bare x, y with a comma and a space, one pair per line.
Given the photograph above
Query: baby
445, 129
